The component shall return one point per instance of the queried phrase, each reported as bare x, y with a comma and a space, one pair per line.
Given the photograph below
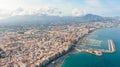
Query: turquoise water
106, 60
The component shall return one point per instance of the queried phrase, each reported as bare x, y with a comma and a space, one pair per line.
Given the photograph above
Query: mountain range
46, 19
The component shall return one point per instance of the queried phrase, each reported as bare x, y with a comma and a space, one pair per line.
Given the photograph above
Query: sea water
85, 59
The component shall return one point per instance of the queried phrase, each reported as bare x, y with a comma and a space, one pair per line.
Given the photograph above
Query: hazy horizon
9, 8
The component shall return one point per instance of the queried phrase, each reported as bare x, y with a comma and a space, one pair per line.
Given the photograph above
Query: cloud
4, 13
18, 11
22, 11
40, 11
78, 12
48, 11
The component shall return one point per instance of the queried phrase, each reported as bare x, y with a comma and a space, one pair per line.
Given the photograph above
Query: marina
99, 52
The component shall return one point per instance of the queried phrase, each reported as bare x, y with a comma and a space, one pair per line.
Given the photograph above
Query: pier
92, 51
99, 52
111, 47
111, 43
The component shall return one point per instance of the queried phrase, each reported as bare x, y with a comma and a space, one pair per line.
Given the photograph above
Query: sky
10, 8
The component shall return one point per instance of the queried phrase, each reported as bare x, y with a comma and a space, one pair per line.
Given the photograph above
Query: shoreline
59, 61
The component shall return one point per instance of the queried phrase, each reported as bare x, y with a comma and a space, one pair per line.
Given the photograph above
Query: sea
84, 59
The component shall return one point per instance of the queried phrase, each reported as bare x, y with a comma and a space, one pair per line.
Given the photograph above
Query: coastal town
35, 47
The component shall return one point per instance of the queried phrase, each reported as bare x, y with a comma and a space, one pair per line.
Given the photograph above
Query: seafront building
37, 48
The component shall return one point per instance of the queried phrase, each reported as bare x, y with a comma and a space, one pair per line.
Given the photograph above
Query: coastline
105, 55
59, 61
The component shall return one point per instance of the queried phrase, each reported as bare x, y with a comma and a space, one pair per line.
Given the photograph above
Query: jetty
92, 51
112, 44
99, 52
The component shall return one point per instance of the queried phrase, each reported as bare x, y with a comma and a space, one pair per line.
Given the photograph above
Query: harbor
98, 52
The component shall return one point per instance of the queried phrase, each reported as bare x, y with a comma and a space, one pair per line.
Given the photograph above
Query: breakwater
98, 52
